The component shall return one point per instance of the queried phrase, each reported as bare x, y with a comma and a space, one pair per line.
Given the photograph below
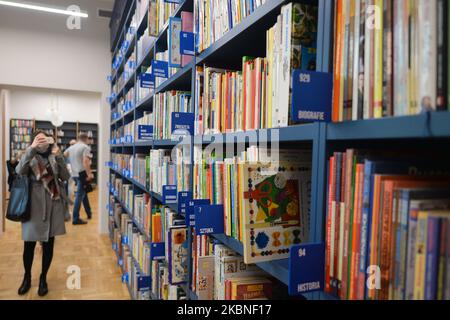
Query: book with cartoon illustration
275, 209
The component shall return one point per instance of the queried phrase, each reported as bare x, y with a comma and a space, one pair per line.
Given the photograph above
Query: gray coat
47, 216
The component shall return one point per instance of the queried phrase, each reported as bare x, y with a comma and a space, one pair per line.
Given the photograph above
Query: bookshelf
248, 38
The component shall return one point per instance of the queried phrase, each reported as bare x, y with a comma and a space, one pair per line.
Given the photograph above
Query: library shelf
297, 133
423, 126
147, 101
179, 81
142, 25
249, 36
279, 269
144, 143
154, 195
124, 207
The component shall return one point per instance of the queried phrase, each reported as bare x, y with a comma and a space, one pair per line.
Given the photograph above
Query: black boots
25, 286
43, 288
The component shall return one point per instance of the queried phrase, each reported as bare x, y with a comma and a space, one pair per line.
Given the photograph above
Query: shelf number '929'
305, 78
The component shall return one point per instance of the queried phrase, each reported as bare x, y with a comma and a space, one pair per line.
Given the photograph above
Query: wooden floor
82, 246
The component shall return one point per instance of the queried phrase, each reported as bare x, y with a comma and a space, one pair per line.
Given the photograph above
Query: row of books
164, 56
390, 58
259, 96
167, 167
255, 190
159, 12
164, 104
124, 190
122, 161
142, 211
161, 287
131, 129
219, 273
387, 227
132, 269
213, 19
19, 123
170, 272
143, 91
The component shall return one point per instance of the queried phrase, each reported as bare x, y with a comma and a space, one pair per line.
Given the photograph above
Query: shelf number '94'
305, 78
301, 253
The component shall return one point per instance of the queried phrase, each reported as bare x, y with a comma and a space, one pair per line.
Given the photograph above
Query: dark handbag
87, 187
19, 200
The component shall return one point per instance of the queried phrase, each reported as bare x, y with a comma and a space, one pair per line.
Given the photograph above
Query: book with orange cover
337, 61
251, 289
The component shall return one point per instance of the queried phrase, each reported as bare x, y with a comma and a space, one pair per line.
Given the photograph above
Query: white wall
37, 50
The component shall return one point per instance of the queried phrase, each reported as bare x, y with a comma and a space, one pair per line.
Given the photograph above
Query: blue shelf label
169, 194
124, 277
311, 96
190, 214
209, 219
109, 78
187, 43
125, 240
157, 251
183, 200
143, 283
128, 139
145, 132
120, 262
147, 80
306, 268
174, 1
182, 124
160, 69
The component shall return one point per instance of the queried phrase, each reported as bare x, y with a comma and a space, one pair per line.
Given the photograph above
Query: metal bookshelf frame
322, 137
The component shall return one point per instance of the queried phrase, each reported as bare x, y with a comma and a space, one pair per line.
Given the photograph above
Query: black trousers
47, 256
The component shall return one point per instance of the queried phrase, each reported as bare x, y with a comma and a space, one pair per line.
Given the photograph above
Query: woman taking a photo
46, 168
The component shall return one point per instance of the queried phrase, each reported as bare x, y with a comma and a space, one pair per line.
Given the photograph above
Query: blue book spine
230, 15
432, 258
366, 216
370, 172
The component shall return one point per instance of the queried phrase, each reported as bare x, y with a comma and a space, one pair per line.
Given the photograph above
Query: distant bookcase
21, 131
20, 135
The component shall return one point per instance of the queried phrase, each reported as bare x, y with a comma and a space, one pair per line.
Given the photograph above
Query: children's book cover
178, 255
275, 209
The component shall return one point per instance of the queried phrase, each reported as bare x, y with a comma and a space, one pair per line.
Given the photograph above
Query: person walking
49, 209
78, 156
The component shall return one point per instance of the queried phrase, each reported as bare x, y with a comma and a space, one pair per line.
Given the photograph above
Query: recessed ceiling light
42, 8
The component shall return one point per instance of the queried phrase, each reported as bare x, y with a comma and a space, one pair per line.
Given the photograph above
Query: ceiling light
45, 9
